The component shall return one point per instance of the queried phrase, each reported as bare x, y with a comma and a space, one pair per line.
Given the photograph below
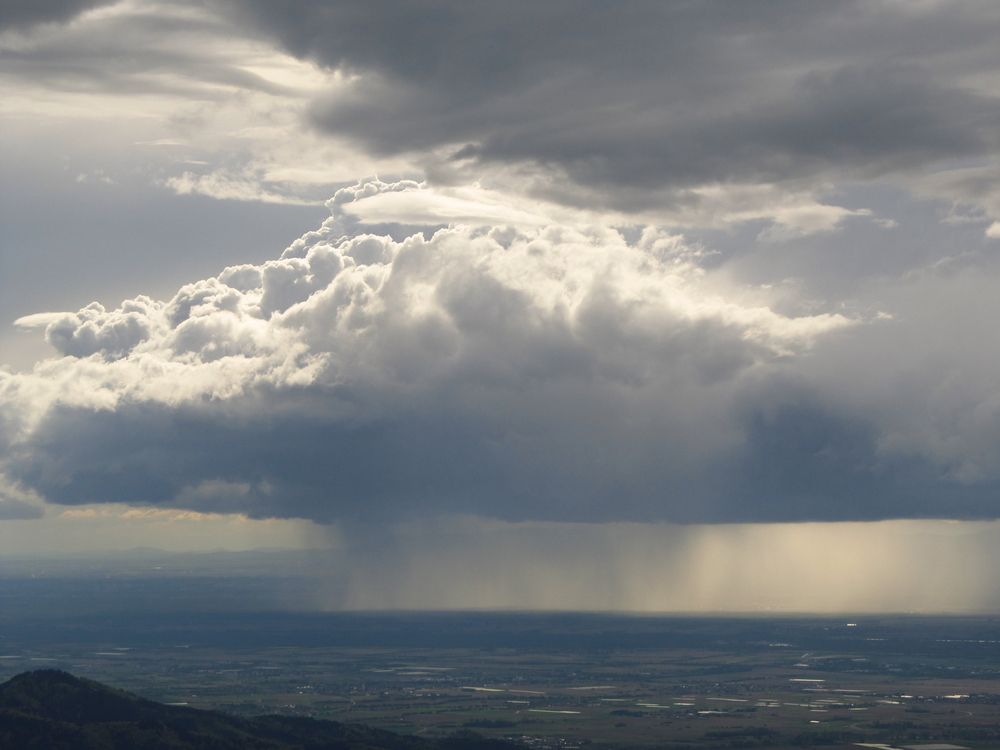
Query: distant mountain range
53, 710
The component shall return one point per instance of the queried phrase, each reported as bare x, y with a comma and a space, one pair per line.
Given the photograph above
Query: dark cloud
582, 456
807, 458
857, 122
173, 49
25, 13
433, 459
655, 94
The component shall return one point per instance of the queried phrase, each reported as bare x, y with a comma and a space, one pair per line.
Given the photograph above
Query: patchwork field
554, 681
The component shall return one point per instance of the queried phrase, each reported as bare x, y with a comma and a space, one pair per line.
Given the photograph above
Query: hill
53, 710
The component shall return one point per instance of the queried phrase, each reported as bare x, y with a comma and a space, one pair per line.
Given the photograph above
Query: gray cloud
671, 95
465, 348
291, 454
153, 48
26, 13
19, 510
643, 106
515, 372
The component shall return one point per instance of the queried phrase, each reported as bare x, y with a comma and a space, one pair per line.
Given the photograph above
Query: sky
654, 277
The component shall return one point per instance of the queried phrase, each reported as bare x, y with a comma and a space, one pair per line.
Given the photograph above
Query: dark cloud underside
656, 94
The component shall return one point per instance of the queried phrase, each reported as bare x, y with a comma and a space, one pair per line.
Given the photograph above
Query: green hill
53, 710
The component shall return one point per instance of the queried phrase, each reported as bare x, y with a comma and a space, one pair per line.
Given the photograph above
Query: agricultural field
552, 680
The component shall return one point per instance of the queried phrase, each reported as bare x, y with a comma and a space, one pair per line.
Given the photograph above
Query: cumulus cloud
525, 370
519, 370
640, 270
94, 330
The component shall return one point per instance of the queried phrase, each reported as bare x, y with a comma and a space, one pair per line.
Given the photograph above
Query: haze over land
645, 306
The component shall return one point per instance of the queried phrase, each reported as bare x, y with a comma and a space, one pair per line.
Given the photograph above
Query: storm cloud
632, 262
522, 371
670, 95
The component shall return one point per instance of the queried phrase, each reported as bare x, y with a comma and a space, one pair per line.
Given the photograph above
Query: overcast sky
362, 265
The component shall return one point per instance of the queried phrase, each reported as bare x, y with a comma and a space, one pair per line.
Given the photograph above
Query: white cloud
39, 320
366, 328
240, 187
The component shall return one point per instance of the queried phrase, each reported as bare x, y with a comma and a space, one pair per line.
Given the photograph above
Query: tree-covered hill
53, 710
